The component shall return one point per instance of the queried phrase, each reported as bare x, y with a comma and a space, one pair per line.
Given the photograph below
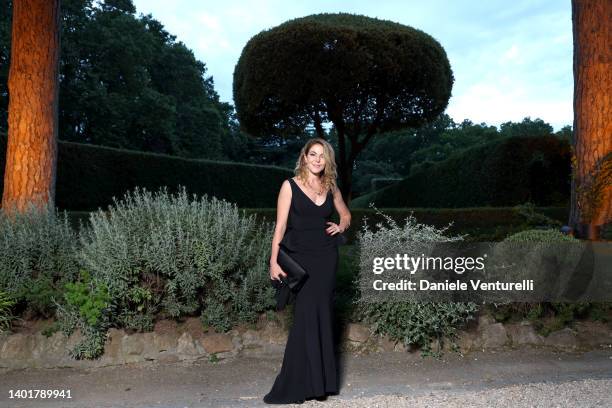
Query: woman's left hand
333, 229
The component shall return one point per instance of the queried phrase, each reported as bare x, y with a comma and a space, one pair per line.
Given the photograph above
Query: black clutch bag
296, 274
290, 285
283, 295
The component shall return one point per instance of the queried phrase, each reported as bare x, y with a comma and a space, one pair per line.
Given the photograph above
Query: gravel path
518, 378
585, 393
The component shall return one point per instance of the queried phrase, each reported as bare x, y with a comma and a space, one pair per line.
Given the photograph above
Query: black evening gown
309, 365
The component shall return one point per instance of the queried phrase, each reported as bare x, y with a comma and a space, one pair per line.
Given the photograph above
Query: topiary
286, 75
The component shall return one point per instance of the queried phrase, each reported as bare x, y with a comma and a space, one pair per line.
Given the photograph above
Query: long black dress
309, 365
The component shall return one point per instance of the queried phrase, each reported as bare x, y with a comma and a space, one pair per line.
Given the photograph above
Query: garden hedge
88, 176
500, 173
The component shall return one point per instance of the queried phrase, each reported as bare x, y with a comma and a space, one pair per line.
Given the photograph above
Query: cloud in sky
510, 59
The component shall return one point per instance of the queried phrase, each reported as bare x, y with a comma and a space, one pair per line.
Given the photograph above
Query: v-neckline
306, 195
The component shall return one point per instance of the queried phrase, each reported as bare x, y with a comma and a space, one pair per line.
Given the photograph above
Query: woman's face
315, 161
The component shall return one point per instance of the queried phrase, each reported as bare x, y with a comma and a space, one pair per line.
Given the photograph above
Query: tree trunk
591, 206
345, 162
343, 166
33, 84
345, 159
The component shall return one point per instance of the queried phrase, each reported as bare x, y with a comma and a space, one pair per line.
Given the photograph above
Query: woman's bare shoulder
285, 187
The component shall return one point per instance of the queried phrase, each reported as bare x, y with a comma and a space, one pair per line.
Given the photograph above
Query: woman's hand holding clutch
276, 272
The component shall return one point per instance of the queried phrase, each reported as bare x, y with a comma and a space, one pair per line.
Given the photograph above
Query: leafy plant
540, 236
214, 314
179, 255
420, 323
6, 316
533, 218
547, 316
38, 296
408, 320
140, 296
88, 309
90, 299
37, 256
92, 345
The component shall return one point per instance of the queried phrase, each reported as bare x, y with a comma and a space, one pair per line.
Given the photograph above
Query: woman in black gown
305, 204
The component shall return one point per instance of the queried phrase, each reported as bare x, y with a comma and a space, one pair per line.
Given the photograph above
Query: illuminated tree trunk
591, 201
33, 105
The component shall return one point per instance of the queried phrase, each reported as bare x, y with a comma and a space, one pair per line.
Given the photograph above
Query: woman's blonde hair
328, 174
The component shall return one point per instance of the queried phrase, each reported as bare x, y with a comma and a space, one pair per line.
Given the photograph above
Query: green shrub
88, 298
140, 299
37, 256
215, 314
420, 323
6, 315
38, 296
408, 321
534, 218
92, 345
161, 253
87, 307
540, 235
547, 316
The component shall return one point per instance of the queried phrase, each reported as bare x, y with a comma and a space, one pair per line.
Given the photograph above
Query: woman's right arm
282, 214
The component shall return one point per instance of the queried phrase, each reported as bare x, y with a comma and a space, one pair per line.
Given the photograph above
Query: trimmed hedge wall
89, 176
472, 220
484, 223
478, 220
501, 173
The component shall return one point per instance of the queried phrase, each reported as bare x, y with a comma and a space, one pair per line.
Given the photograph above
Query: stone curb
170, 342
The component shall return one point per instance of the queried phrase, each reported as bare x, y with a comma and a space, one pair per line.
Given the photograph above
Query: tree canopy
126, 82
357, 67
362, 74
409, 150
